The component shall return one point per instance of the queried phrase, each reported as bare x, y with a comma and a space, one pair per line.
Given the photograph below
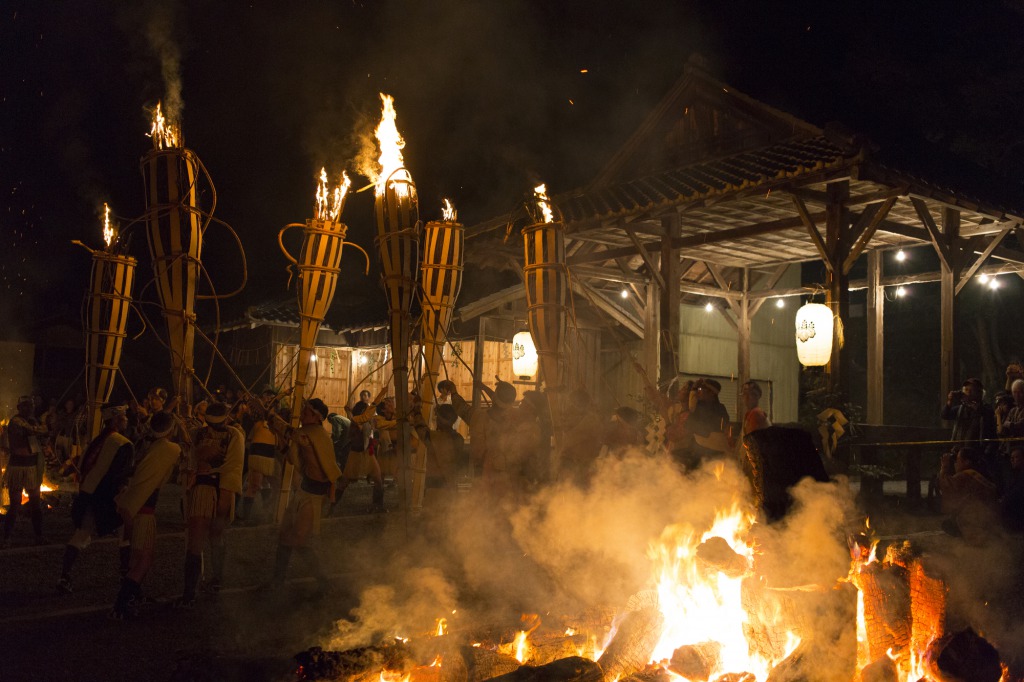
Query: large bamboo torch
441, 279
110, 299
398, 227
546, 287
319, 267
175, 234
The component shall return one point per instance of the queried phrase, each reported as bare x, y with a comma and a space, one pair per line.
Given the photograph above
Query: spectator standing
23, 470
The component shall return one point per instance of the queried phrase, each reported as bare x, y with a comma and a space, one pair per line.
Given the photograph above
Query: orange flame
108, 231
391, 144
442, 627
330, 203
448, 213
165, 133
543, 203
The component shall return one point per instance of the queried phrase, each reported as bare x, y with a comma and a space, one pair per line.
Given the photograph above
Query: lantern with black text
175, 235
814, 326
524, 356
546, 287
106, 318
397, 211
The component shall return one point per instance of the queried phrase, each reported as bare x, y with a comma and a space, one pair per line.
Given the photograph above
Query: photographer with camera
974, 423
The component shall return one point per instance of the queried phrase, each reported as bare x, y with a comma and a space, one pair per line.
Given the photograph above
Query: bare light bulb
624, 293
709, 307
993, 284
983, 279
901, 255
780, 303
901, 292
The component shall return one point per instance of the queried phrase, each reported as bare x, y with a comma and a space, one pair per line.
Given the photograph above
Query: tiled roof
707, 179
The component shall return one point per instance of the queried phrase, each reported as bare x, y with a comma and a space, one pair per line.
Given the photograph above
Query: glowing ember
330, 203
165, 133
543, 203
448, 213
391, 144
108, 231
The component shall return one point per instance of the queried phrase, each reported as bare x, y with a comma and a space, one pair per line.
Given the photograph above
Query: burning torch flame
442, 626
543, 203
448, 213
108, 231
165, 133
391, 144
329, 203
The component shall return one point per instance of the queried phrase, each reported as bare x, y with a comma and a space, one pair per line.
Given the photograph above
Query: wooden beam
875, 339
670, 332
701, 239
872, 197
705, 290
948, 363
769, 283
837, 283
595, 298
723, 284
608, 274
640, 249
881, 211
808, 222
652, 332
937, 239
743, 317
965, 277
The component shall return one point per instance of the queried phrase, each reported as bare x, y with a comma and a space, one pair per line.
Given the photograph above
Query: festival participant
970, 499
23, 471
583, 430
311, 451
364, 446
264, 446
445, 450
105, 468
754, 417
136, 505
487, 425
218, 452
709, 422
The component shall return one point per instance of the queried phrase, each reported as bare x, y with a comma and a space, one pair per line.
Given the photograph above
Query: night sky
491, 97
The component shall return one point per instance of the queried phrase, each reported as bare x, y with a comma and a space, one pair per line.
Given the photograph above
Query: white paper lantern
524, 356
814, 327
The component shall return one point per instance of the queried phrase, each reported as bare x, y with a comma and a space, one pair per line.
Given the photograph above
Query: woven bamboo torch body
110, 300
174, 231
398, 245
441, 279
546, 295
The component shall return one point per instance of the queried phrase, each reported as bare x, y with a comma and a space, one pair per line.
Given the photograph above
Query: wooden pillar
948, 361
837, 283
669, 308
652, 327
876, 344
478, 361
743, 342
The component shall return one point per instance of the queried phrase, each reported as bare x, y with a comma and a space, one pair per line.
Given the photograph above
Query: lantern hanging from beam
110, 299
546, 286
319, 265
441, 280
175, 235
524, 356
814, 327
398, 226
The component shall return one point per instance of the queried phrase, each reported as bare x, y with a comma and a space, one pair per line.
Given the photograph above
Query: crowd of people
981, 478
231, 452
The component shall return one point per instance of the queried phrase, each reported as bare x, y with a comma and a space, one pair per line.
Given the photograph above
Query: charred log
484, 664
696, 661
928, 605
572, 669
716, 553
777, 459
963, 657
882, 670
736, 677
652, 673
316, 664
631, 648
887, 612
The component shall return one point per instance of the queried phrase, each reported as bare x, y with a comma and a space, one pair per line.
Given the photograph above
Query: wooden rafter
769, 283
602, 303
942, 247
648, 261
867, 231
980, 260
812, 229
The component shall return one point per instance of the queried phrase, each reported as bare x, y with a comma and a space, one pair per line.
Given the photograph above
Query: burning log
362, 663
963, 657
887, 611
572, 669
631, 648
696, 661
555, 647
928, 605
484, 664
736, 677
